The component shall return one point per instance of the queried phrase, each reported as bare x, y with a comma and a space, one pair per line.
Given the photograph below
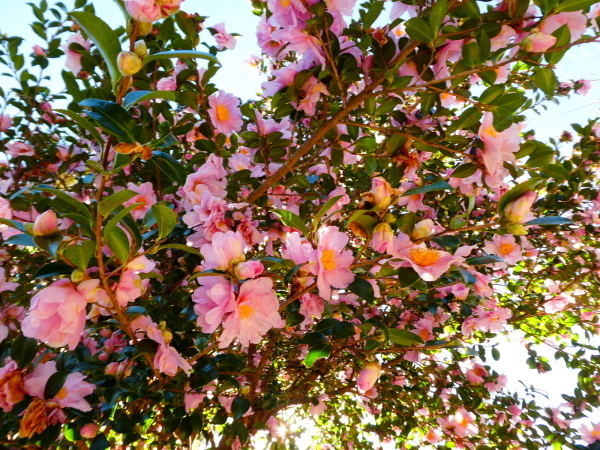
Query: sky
583, 63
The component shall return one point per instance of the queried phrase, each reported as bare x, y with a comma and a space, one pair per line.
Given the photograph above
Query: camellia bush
338, 258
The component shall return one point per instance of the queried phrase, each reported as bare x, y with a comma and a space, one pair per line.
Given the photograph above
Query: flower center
328, 259
492, 132
479, 371
425, 256
222, 113
506, 248
246, 311
464, 422
62, 393
285, 3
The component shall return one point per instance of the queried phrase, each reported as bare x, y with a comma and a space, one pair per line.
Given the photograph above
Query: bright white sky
234, 78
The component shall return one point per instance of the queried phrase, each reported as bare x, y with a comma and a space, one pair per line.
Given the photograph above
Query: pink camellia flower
213, 300
256, 312
498, 146
143, 10
89, 431
46, 224
518, 209
224, 113
538, 42
312, 91
38, 51
130, 288
476, 374
145, 196
168, 7
16, 149
6, 285
382, 192
71, 395
167, 84
5, 122
57, 313
168, 360
224, 39
383, 237
504, 38
586, 85
368, 376
225, 250
590, 433
429, 263
340, 6
556, 300
575, 21
73, 62
11, 386
248, 269
462, 423
329, 262
505, 247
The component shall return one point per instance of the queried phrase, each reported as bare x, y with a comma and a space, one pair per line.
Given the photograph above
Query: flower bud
129, 63
46, 224
383, 237
248, 269
382, 192
368, 376
422, 229
538, 42
144, 28
141, 49
77, 275
516, 210
89, 431
245, 390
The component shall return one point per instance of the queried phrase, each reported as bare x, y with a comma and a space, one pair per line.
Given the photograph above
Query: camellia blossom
341, 6
461, 423
368, 376
213, 300
505, 247
5, 122
57, 313
16, 149
429, 263
12, 390
330, 262
225, 250
590, 433
73, 62
499, 146
224, 39
151, 10
225, 113
256, 312
145, 197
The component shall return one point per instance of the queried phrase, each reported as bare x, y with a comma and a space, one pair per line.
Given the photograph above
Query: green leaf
113, 118
438, 14
23, 350
166, 219
83, 209
14, 224
574, 5
437, 186
100, 443
95, 166
118, 242
483, 260
470, 116
80, 254
181, 54
471, 54
510, 102
141, 96
83, 222
49, 243
343, 330
492, 93
404, 337
546, 5
495, 354
407, 276
516, 192
182, 247
291, 220
550, 220
563, 37
170, 166
110, 203
324, 210
83, 123
419, 30
288, 276
363, 289
317, 352
556, 171
545, 79
105, 39
540, 157
21, 239
464, 170
53, 269
239, 407
54, 384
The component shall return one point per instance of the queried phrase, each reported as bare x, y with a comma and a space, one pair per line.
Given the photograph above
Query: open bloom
213, 300
590, 434
505, 247
499, 146
145, 197
57, 313
429, 263
12, 390
224, 39
225, 250
255, 313
224, 113
329, 262
73, 62
462, 423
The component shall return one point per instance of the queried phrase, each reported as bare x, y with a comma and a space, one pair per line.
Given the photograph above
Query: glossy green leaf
113, 118
181, 54
54, 384
545, 79
404, 337
574, 5
420, 30
83, 123
21, 239
291, 220
437, 186
239, 407
166, 219
118, 242
107, 205
324, 210
483, 260
464, 170
438, 14
170, 167
550, 220
363, 289
80, 254
83, 209
23, 350
317, 352
53, 269
516, 192
182, 247
141, 96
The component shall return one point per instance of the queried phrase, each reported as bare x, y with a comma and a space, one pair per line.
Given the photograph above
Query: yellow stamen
506, 248
425, 256
62, 393
285, 3
328, 259
246, 311
464, 422
491, 131
223, 113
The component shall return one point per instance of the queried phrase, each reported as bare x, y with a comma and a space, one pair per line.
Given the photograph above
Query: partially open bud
368, 376
382, 192
89, 431
248, 269
383, 237
422, 229
538, 42
140, 49
129, 63
516, 210
144, 28
77, 275
46, 224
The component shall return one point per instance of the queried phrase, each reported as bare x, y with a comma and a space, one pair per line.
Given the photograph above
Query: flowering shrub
180, 268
